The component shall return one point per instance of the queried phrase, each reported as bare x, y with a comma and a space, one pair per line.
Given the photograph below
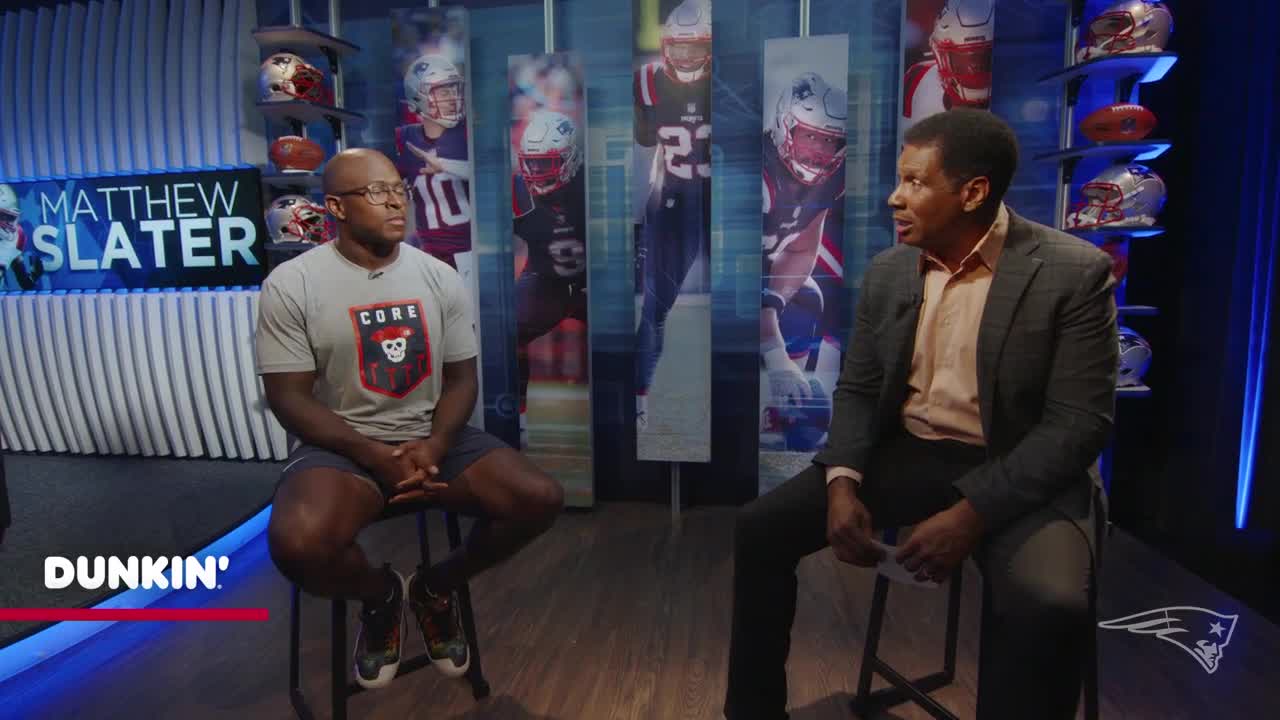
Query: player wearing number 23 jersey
549, 209
673, 115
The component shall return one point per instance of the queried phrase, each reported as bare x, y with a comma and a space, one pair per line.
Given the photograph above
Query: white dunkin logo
133, 572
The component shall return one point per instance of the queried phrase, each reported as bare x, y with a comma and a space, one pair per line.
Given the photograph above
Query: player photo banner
186, 229
946, 57
549, 226
672, 210
802, 240
433, 139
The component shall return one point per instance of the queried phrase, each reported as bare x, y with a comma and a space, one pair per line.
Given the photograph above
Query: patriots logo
565, 127
282, 60
1202, 634
802, 89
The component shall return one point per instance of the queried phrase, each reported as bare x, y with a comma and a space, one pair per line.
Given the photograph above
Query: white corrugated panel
137, 373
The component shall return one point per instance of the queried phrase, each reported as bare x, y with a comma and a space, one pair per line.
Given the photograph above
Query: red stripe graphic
127, 614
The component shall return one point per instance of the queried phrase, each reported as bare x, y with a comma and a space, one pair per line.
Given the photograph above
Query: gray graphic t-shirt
377, 341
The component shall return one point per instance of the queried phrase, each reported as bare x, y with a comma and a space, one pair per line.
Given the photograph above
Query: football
1122, 122
293, 154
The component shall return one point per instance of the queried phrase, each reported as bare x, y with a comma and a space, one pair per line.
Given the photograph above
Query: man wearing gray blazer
976, 396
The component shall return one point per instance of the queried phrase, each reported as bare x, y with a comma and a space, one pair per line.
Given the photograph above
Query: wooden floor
611, 616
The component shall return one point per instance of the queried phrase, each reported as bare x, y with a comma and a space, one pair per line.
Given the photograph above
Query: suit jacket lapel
901, 335
1014, 272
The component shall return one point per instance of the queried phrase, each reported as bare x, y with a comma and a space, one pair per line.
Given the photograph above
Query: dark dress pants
1037, 571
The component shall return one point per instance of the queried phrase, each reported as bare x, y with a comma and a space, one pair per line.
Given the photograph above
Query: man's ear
334, 206
976, 192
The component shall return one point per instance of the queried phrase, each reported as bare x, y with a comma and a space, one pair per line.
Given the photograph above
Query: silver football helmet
1120, 196
285, 76
295, 218
549, 156
686, 41
809, 128
1129, 26
1135, 358
434, 89
962, 39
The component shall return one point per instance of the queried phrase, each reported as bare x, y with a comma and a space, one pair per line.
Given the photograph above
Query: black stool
866, 703
901, 690
342, 688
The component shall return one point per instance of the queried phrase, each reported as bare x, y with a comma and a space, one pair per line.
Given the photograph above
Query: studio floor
612, 616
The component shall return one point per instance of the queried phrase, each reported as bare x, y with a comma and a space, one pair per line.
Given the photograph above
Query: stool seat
341, 687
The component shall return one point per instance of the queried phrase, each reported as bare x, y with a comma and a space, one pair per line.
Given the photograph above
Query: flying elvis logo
1202, 634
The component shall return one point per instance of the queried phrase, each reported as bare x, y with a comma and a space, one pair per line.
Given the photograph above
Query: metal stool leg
867, 671
338, 679
902, 689
424, 545
475, 673
953, 625
1091, 710
295, 652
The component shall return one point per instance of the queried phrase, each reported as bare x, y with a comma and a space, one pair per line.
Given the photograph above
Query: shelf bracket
1073, 90
1125, 87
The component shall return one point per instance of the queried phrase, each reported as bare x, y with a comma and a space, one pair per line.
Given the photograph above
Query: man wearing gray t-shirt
367, 351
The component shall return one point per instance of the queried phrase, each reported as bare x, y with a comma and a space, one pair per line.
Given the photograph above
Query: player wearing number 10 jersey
432, 158
673, 115
550, 217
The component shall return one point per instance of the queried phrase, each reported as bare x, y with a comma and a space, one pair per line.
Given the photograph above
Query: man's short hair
973, 143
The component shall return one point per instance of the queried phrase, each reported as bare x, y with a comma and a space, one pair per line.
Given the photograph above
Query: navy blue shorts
468, 446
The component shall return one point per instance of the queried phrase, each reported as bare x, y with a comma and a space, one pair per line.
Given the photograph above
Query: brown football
293, 154
1122, 122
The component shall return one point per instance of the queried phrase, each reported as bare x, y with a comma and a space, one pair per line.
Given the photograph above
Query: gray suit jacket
1047, 353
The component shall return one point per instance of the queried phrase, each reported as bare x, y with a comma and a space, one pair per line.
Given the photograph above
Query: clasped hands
934, 550
410, 469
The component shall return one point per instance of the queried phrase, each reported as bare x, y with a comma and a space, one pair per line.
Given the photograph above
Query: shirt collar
988, 249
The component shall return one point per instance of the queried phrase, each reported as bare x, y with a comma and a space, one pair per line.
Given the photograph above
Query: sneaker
441, 625
377, 656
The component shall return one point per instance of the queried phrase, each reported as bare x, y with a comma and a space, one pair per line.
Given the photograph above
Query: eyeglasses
379, 193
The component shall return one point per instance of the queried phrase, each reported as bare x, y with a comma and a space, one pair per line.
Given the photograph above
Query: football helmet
1120, 196
285, 76
1129, 26
686, 41
809, 126
962, 38
548, 156
295, 218
1135, 358
434, 89
10, 231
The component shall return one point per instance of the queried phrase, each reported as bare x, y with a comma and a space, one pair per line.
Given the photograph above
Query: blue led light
1159, 68
1259, 326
